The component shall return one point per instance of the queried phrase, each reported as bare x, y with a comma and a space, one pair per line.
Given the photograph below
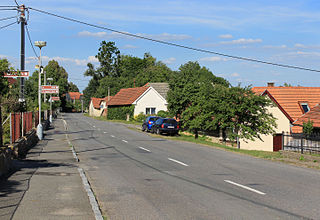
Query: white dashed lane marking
245, 187
179, 162
144, 149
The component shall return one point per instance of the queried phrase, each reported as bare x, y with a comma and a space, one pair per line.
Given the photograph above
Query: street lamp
40, 44
50, 117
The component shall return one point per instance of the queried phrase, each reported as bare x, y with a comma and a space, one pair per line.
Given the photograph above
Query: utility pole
22, 51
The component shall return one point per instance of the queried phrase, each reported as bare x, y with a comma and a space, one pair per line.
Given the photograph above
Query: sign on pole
49, 89
55, 98
17, 74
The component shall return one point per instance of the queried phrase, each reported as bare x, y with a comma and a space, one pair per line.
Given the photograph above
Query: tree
185, 86
72, 87
308, 127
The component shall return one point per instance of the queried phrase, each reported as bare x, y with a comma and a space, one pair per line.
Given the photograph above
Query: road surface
137, 176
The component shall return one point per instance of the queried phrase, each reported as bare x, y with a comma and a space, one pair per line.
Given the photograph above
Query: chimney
270, 84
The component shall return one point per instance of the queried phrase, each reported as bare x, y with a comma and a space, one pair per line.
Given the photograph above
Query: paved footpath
47, 184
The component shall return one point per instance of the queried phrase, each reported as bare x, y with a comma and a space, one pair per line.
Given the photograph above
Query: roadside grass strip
245, 187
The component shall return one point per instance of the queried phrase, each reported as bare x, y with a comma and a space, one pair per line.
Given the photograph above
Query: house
290, 103
312, 115
73, 96
97, 106
148, 99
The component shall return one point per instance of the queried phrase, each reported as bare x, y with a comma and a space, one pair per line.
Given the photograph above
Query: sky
285, 32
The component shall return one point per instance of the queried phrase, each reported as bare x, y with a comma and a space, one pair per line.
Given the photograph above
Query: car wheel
158, 131
143, 128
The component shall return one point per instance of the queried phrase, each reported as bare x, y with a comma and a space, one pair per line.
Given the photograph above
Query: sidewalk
47, 184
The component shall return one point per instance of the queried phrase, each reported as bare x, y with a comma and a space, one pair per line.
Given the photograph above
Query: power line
28, 34
7, 18
16, 3
8, 25
8, 6
178, 45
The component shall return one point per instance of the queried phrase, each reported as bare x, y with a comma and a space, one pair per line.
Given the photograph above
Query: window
150, 111
305, 107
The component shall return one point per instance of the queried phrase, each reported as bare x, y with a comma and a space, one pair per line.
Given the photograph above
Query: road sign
17, 74
55, 98
49, 89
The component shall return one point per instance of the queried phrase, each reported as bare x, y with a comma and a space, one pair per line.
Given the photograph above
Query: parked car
147, 124
165, 125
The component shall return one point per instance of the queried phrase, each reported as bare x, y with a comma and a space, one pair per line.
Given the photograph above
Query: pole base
50, 119
39, 132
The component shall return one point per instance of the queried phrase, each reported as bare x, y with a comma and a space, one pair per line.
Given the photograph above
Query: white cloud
235, 74
226, 36
275, 47
213, 59
299, 45
163, 36
169, 61
242, 41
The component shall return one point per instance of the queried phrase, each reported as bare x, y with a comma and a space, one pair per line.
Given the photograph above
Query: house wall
267, 143
151, 99
93, 111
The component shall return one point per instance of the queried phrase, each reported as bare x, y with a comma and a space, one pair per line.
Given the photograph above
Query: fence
301, 143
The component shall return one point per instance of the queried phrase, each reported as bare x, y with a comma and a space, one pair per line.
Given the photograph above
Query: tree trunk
196, 135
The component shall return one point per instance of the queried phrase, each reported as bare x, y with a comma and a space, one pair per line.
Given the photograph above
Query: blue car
147, 124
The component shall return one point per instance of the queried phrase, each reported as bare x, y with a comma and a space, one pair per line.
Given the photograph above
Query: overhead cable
7, 18
28, 34
8, 25
177, 45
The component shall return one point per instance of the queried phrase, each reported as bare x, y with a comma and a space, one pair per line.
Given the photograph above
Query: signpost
55, 98
49, 89
17, 74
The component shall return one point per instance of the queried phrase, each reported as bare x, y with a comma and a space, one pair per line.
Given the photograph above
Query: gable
150, 95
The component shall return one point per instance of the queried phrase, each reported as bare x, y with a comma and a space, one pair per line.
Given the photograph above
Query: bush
163, 114
120, 113
140, 118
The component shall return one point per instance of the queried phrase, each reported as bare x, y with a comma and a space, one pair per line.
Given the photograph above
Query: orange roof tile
127, 96
75, 95
289, 98
97, 101
312, 115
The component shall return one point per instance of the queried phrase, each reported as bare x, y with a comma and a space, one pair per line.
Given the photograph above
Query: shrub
163, 114
141, 117
120, 113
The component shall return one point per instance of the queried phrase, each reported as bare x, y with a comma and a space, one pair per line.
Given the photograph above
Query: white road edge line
144, 149
125, 141
112, 136
105, 132
92, 198
179, 162
245, 187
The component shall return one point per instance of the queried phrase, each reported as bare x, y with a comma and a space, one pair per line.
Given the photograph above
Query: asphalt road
136, 176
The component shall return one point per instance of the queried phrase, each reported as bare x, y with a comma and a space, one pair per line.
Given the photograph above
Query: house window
150, 111
305, 107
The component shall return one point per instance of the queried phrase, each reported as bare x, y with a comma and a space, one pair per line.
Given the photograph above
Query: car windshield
170, 121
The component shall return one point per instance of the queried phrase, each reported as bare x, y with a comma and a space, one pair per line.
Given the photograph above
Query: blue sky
286, 31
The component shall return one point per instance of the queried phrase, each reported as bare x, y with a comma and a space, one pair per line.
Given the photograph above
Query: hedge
120, 113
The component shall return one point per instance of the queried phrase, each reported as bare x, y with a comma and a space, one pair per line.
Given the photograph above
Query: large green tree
185, 85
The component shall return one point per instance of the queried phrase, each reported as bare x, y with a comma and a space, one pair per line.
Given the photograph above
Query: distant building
73, 96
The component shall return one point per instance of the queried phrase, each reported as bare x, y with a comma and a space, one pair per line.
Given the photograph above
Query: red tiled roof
127, 96
12, 81
289, 98
75, 95
312, 115
97, 101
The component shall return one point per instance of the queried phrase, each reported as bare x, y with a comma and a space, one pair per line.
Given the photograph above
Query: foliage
118, 71
72, 87
308, 127
120, 113
163, 114
4, 67
60, 78
185, 86
140, 118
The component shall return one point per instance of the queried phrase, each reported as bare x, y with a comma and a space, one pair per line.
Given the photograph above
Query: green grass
205, 141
